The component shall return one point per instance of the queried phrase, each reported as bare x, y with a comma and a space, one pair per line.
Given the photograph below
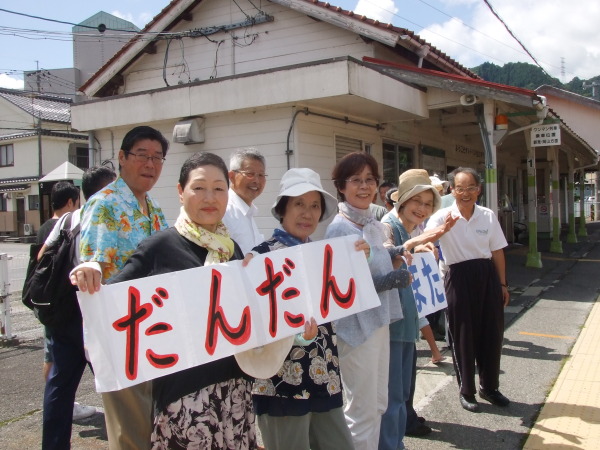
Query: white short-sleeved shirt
470, 239
53, 236
239, 220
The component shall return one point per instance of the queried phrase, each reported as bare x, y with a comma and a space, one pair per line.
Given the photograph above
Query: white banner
428, 284
146, 328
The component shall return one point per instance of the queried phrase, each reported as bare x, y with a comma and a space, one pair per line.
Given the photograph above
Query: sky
564, 44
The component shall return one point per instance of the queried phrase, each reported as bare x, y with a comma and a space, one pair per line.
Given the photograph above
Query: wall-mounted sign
544, 135
467, 151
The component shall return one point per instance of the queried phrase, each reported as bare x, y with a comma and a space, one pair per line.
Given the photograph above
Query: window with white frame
79, 156
34, 202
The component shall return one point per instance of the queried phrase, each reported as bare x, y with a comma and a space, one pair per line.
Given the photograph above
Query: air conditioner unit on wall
27, 229
190, 131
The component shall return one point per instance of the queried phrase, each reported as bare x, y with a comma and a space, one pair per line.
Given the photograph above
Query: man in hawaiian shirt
113, 223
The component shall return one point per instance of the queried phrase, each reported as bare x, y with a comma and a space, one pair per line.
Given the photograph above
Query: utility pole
594, 85
39, 122
39, 134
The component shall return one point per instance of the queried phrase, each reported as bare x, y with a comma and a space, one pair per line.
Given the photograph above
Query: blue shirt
407, 329
113, 224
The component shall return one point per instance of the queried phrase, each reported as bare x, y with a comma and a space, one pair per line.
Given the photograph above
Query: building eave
342, 82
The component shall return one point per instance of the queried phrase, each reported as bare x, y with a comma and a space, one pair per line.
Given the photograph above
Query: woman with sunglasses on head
476, 290
363, 338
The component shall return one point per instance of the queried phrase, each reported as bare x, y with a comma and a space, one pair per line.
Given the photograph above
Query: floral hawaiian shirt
112, 226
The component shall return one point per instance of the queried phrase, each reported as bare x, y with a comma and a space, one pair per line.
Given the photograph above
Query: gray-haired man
248, 178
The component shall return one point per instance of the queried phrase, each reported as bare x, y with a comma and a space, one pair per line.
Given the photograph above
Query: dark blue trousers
61, 386
475, 323
411, 414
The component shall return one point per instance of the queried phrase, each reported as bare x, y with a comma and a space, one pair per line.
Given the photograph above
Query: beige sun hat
413, 182
299, 181
264, 362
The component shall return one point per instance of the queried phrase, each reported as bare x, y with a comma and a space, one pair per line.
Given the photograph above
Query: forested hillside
529, 76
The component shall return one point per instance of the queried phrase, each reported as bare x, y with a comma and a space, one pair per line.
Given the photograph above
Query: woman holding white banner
301, 406
363, 338
414, 201
208, 406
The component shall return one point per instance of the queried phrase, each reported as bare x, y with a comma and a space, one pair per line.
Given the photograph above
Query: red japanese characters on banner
146, 328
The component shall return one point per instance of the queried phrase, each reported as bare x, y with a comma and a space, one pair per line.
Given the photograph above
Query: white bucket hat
439, 184
299, 181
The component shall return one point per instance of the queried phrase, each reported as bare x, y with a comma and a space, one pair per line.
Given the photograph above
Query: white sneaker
82, 411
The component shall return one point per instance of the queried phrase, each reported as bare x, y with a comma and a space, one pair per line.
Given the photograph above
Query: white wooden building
305, 82
35, 138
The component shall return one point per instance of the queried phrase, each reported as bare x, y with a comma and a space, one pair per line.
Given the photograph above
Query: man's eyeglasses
357, 182
470, 190
145, 158
252, 175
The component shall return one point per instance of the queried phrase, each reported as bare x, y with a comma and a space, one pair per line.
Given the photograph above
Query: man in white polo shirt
248, 178
476, 289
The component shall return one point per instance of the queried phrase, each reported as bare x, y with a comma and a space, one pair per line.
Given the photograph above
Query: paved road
543, 323
548, 308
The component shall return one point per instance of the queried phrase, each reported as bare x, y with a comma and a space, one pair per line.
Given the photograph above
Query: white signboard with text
146, 328
544, 135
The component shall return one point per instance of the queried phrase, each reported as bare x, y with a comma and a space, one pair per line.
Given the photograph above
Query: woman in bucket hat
301, 406
415, 200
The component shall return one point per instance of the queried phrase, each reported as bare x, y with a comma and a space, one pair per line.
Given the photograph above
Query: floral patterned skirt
219, 416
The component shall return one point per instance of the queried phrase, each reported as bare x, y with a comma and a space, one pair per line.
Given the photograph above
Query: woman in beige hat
301, 406
415, 200
363, 338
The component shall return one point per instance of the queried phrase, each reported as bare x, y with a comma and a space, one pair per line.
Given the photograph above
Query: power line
469, 26
515, 37
63, 22
63, 35
60, 80
432, 32
452, 40
260, 17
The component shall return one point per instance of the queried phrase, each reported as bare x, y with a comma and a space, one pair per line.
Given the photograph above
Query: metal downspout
288, 151
491, 181
91, 153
